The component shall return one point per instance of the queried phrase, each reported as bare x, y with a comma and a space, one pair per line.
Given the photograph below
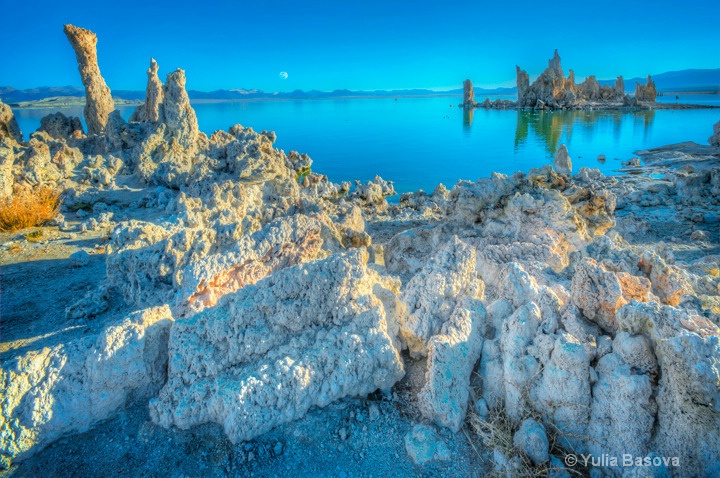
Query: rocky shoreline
212, 306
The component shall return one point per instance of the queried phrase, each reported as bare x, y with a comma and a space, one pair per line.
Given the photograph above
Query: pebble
481, 408
80, 258
373, 412
278, 449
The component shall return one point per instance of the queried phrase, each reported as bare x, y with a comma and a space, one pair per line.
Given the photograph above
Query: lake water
420, 142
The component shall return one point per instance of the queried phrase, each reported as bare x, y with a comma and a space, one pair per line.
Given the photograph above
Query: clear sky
359, 45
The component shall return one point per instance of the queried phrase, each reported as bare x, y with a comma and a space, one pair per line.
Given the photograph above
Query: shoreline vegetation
214, 295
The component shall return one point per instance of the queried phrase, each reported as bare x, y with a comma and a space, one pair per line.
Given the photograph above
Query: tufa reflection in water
468, 114
549, 126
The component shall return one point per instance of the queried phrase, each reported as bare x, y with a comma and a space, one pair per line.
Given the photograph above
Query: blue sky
355, 44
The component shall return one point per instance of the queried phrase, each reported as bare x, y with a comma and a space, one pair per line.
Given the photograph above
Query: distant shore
79, 101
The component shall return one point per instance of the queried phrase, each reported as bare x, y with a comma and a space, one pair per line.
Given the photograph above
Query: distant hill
705, 81
701, 81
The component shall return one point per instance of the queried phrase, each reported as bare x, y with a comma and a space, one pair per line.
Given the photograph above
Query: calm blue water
420, 142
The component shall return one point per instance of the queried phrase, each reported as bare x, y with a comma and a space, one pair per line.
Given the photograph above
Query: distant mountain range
704, 81
700, 81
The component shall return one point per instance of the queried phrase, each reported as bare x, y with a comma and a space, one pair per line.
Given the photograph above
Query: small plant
497, 430
29, 207
35, 235
80, 206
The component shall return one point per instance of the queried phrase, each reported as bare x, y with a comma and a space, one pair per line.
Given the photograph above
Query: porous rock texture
714, 140
646, 92
152, 109
434, 294
468, 94
99, 103
306, 336
592, 301
9, 128
452, 355
563, 162
71, 387
553, 90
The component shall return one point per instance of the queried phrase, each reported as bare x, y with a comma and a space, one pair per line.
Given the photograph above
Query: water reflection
552, 126
468, 114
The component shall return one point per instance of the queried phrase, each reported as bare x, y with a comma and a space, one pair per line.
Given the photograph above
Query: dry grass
29, 207
496, 431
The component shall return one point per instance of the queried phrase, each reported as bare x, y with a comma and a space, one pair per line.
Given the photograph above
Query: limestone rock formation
423, 444
8, 125
646, 92
619, 88
99, 103
433, 295
468, 94
552, 90
71, 387
59, 126
7, 163
714, 140
179, 116
146, 260
531, 438
563, 162
305, 336
152, 109
452, 355
284, 242
688, 395
590, 88
523, 83
598, 293
623, 410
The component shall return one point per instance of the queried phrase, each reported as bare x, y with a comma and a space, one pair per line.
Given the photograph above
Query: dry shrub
496, 431
29, 207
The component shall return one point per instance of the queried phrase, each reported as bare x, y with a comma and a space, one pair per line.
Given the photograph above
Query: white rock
519, 368
423, 444
563, 163
145, 261
623, 411
531, 439
306, 336
452, 355
80, 258
687, 347
597, 292
436, 291
70, 387
562, 393
281, 243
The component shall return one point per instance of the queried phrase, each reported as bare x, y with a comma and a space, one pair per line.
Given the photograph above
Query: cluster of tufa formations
242, 289
552, 90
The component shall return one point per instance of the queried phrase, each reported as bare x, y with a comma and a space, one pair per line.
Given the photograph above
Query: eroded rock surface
152, 110
592, 302
553, 90
71, 387
99, 102
714, 140
306, 336
8, 125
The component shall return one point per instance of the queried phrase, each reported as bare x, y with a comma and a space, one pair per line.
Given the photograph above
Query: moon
284, 75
